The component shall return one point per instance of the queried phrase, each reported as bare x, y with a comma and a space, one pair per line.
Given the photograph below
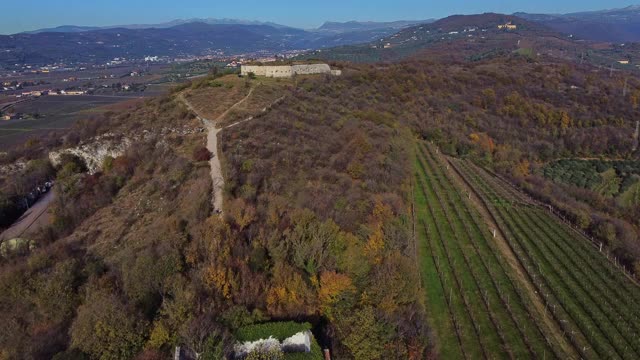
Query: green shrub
279, 330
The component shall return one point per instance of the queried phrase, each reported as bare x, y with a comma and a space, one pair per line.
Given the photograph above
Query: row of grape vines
595, 305
477, 308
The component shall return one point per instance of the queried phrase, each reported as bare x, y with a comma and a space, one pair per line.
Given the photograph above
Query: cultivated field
54, 113
533, 288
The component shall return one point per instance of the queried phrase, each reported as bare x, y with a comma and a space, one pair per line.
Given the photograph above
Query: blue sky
34, 14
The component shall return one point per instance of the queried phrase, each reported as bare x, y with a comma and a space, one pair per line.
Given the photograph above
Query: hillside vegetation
334, 216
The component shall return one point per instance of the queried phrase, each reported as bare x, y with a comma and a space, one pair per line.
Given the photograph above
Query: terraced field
505, 279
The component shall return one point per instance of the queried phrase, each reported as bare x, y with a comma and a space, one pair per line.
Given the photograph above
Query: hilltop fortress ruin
282, 71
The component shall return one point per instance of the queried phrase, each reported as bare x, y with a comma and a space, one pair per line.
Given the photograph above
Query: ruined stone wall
287, 70
257, 70
311, 69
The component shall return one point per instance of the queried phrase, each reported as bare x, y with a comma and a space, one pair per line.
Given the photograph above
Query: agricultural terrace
478, 309
593, 302
503, 278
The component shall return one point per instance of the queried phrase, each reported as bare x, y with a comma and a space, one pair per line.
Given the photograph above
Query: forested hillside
319, 221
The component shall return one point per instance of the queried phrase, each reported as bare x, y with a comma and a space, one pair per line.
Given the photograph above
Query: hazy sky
21, 15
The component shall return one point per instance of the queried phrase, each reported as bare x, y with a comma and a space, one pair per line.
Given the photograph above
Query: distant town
119, 76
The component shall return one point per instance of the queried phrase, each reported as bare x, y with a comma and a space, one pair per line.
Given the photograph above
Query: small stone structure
283, 71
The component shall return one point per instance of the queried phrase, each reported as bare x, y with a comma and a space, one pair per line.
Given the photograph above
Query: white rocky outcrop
14, 168
94, 151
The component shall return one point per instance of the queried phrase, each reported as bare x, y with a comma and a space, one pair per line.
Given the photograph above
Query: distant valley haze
91, 15
257, 30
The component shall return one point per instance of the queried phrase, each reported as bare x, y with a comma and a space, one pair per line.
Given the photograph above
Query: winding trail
212, 144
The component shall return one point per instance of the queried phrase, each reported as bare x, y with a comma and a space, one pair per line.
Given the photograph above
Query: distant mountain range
615, 25
210, 21
179, 38
328, 27
349, 26
87, 44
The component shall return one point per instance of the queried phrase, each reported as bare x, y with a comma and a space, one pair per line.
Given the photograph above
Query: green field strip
469, 332
495, 343
502, 319
625, 310
625, 327
562, 288
523, 303
584, 242
511, 337
555, 307
441, 309
571, 277
588, 327
528, 329
569, 320
621, 285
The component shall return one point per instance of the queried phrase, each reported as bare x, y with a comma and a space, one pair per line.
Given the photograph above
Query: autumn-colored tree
241, 212
488, 98
635, 99
206, 338
393, 284
221, 279
362, 333
106, 329
332, 286
483, 140
565, 121
308, 244
289, 294
522, 169
605, 231
375, 244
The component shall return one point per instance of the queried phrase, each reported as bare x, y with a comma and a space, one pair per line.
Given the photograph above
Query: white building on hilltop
283, 71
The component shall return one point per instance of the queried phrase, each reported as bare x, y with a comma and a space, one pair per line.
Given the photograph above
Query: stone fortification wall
311, 69
286, 70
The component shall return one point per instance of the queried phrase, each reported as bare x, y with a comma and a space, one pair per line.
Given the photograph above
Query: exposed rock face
94, 152
11, 169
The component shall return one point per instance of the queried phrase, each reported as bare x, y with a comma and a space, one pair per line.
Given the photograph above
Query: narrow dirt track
212, 145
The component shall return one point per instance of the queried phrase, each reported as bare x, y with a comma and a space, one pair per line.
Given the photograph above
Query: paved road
32, 220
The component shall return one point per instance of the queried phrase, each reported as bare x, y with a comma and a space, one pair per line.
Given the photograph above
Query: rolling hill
462, 37
178, 38
615, 25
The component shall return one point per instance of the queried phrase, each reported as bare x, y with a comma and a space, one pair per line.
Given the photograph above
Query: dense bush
279, 330
201, 153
